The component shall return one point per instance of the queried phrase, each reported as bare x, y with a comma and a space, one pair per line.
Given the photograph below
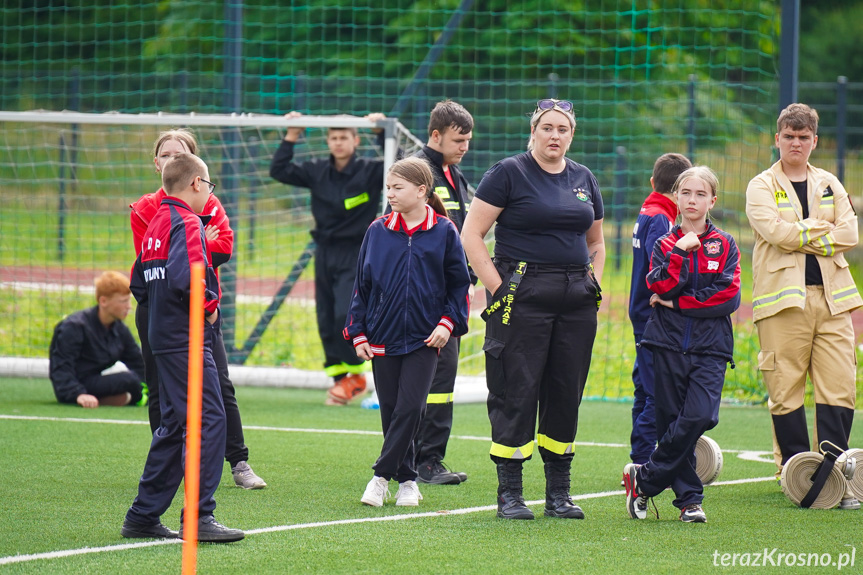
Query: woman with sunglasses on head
543, 296
220, 244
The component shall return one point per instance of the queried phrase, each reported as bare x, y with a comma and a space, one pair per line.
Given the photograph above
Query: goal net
68, 179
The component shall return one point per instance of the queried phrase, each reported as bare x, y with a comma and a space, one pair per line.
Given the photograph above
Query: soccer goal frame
228, 125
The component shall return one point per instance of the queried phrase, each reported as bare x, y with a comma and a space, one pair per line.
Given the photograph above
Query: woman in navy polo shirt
543, 299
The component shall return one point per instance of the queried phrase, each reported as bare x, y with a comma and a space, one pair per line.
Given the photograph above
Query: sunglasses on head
551, 104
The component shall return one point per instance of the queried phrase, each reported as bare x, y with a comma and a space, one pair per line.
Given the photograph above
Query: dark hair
180, 171
182, 135
353, 131
449, 114
798, 117
418, 172
666, 169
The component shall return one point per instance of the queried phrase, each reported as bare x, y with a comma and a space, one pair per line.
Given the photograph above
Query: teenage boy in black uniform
161, 277
450, 130
346, 197
90, 341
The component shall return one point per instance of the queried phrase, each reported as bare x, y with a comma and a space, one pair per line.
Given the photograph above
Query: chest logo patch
712, 248
581, 194
712, 265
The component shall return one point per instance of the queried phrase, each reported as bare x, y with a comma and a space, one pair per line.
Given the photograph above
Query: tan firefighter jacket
783, 238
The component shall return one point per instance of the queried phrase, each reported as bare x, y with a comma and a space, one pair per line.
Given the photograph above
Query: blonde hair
180, 171
182, 135
110, 283
703, 173
534, 122
418, 172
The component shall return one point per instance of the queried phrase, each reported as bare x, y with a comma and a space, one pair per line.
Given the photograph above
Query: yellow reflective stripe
776, 297
337, 369
845, 293
443, 192
522, 452
356, 369
827, 242
804, 233
351, 203
553, 445
451, 206
439, 398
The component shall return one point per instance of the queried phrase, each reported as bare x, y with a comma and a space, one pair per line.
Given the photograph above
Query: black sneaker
132, 530
693, 513
436, 473
636, 504
211, 531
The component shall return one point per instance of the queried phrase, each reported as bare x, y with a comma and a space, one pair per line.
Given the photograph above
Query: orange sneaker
346, 389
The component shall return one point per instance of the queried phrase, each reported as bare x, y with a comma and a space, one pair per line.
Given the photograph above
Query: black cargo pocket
494, 373
593, 289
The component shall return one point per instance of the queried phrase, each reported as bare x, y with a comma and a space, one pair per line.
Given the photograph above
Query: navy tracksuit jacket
691, 344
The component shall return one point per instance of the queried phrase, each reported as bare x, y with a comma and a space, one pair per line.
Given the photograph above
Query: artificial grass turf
81, 477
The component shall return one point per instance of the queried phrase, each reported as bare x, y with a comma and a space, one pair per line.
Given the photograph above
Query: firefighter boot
510, 503
558, 502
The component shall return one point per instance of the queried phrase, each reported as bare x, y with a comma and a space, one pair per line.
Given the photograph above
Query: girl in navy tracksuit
695, 276
410, 297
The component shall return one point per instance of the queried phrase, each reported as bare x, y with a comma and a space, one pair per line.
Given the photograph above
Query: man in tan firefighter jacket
803, 292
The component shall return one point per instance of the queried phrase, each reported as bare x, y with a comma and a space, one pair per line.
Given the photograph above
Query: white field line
278, 528
746, 454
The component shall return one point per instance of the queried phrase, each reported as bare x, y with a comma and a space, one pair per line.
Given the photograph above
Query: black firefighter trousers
541, 357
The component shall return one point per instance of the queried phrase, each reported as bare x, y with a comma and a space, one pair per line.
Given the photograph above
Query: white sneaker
246, 478
408, 494
377, 491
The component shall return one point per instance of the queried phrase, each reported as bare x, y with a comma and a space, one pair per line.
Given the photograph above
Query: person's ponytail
437, 204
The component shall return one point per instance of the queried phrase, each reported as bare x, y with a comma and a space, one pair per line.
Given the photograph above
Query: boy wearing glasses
346, 198
161, 277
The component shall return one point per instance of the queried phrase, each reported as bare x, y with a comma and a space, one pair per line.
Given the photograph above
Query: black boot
510, 503
558, 503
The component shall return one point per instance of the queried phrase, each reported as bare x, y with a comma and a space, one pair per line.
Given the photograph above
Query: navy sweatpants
402, 383
235, 442
688, 390
164, 468
643, 436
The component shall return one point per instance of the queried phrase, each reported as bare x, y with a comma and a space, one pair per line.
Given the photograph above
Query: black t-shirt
545, 216
813, 271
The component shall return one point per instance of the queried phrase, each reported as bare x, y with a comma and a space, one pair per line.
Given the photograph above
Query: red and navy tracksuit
220, 250
407, 283
436, 425
161, 278
344, 203
691, 343
655, 219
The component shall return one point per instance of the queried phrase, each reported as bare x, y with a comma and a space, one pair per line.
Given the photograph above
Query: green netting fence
646, 77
